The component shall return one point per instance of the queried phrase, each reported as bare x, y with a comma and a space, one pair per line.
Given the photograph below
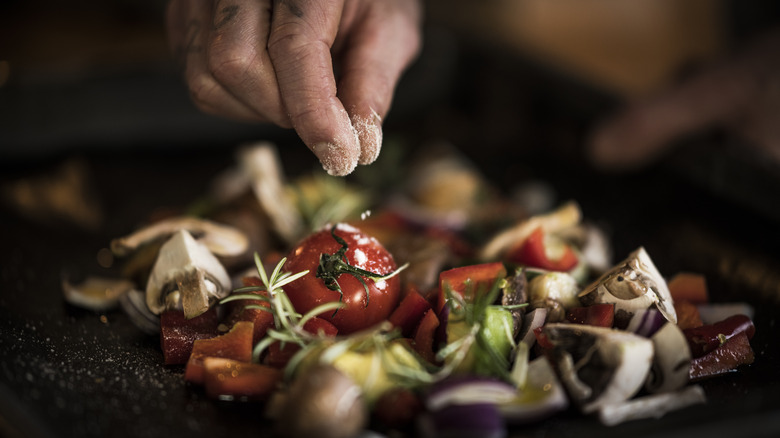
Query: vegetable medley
430, 319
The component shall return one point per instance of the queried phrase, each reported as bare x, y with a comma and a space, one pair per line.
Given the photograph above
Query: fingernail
369, 132
335, 159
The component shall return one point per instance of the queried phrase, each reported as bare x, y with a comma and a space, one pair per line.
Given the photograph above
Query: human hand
741, 94
273, 61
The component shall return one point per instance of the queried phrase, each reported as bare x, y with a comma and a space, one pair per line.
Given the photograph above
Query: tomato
362, 251
540, 251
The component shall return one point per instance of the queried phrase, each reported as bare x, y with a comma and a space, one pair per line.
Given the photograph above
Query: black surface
65, 371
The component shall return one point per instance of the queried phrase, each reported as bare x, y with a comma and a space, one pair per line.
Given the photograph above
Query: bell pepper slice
538, 251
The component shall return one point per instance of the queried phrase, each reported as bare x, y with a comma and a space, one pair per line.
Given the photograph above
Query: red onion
646, 322
533, 320
469, 390
481, 420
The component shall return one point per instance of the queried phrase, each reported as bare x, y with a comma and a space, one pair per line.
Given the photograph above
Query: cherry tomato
364, 252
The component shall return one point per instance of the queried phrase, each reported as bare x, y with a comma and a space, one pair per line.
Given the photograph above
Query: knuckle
230, 65
203, 91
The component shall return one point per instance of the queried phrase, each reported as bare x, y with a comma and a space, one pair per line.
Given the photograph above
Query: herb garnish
288, 323
331, 267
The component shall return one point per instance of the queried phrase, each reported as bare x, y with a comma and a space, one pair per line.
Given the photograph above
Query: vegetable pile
404, 320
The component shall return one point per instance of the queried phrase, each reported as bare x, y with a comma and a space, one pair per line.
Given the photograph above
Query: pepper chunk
706, 338
539, 251
469, 279
726, 358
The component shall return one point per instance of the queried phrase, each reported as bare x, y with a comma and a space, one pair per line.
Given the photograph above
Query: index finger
302, 33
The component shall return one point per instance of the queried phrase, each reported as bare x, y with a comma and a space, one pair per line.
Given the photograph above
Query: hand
273, 61
741, 94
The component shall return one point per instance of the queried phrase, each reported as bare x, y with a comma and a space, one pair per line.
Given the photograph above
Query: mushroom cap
187, 266
633, 284
222, 240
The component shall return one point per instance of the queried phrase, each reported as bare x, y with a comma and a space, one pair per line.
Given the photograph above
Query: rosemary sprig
288, 323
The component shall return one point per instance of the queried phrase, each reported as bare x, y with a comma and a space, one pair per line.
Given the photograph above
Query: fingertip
336, 159
369, 133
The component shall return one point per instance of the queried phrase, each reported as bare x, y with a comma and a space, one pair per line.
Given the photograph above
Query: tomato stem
333, 265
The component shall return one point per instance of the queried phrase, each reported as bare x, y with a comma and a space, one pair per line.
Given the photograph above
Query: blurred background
514, 85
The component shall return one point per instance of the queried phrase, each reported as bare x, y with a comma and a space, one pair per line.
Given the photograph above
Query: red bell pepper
178, 334
242, 380
690, 287
538, 251
425, 335
726, 358
468, 280
706, 338
601, 315
235, 344
409, 312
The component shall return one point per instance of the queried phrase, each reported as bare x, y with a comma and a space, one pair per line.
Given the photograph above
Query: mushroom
555, 291
322, 402
261, 165
95, 293
599, 366
671, 362
633, 284
219, 239
187, 276
516, 293
565, 216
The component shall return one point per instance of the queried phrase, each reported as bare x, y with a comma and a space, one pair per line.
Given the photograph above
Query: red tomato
364, 252
539, 252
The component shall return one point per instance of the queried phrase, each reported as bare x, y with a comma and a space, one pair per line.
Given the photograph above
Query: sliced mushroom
633, 284
555, 291
260, 163
671, 362
567, 215
516, 293
599, 366
96, 293
186, 276
219, 239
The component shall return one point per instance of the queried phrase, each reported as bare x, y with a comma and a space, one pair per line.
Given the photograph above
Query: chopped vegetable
599, 366
178, 334
235, 344
690, 287
706, 338
651, 406
724, 359
236, 379
555, 291
601, 315
541, 250
467, 281
409, 312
